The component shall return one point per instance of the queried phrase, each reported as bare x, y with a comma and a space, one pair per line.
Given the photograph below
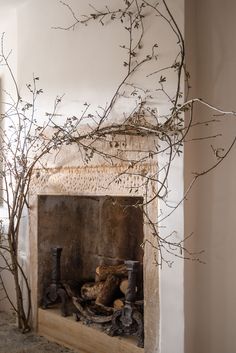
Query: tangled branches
26, 139
169, 130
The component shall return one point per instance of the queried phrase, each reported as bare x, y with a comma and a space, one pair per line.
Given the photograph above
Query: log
90, 291
102, 272
106, 295
118, 304
124, 285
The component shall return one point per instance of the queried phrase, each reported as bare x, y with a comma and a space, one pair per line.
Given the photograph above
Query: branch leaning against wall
26, 140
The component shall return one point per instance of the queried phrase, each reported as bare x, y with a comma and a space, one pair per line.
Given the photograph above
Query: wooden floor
83, 339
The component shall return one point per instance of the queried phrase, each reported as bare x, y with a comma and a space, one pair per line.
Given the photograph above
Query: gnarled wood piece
100, 309
88, 315
124, 285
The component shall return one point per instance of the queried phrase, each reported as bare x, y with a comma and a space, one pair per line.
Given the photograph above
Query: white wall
210, 289
87, 64
7, 25
171, 278
8, 29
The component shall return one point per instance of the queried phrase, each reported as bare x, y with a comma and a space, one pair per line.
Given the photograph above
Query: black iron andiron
55, 291
129, 320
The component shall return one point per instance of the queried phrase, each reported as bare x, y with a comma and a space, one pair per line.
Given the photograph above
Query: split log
106, 295
102, 272
124, 285
90, 291
118, 304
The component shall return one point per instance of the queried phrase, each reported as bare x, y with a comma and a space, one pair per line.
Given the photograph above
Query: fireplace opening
95, 243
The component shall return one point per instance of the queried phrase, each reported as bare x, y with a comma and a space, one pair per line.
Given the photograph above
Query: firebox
90, 261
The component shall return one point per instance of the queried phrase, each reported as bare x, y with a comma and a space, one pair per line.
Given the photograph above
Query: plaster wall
8, 25
210, 289
78, 64
8, 28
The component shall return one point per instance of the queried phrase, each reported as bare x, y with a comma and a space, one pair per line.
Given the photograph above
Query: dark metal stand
129, 320
55, 291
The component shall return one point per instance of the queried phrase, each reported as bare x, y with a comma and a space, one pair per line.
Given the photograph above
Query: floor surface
13, 341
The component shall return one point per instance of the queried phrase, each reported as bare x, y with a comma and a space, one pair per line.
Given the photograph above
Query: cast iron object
129, 321
55, 291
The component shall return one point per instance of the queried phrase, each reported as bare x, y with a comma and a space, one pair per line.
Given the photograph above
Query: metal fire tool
129, 320
55, 290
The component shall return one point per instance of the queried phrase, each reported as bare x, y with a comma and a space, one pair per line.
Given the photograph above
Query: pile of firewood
110, 282
97, 301
106, 302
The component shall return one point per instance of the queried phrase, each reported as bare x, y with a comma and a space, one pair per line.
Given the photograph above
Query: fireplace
95, 224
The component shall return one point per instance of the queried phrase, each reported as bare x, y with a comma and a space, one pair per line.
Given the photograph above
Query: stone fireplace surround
94, 180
